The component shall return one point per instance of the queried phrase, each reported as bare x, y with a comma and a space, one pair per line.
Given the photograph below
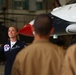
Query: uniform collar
9, 42
42, 40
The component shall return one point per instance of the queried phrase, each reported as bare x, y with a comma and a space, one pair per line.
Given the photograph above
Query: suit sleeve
1, 48
2, 53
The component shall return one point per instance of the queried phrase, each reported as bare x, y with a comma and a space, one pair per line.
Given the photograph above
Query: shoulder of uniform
71, 49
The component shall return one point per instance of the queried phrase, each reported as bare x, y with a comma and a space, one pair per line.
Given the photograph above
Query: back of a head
43, 24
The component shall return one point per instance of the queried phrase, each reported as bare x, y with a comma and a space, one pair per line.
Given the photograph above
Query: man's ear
52, 31
32, 27
33, 30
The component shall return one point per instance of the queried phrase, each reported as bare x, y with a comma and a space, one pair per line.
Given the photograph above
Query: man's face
12, 32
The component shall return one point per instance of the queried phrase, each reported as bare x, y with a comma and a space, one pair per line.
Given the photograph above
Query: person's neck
13, 39
38, 37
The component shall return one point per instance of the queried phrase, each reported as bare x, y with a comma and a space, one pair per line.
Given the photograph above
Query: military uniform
39, 58
10, 53
69, 65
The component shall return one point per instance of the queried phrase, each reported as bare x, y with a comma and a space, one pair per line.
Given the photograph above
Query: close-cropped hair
43, 24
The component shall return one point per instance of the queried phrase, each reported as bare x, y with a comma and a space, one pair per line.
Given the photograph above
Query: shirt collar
42, 40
